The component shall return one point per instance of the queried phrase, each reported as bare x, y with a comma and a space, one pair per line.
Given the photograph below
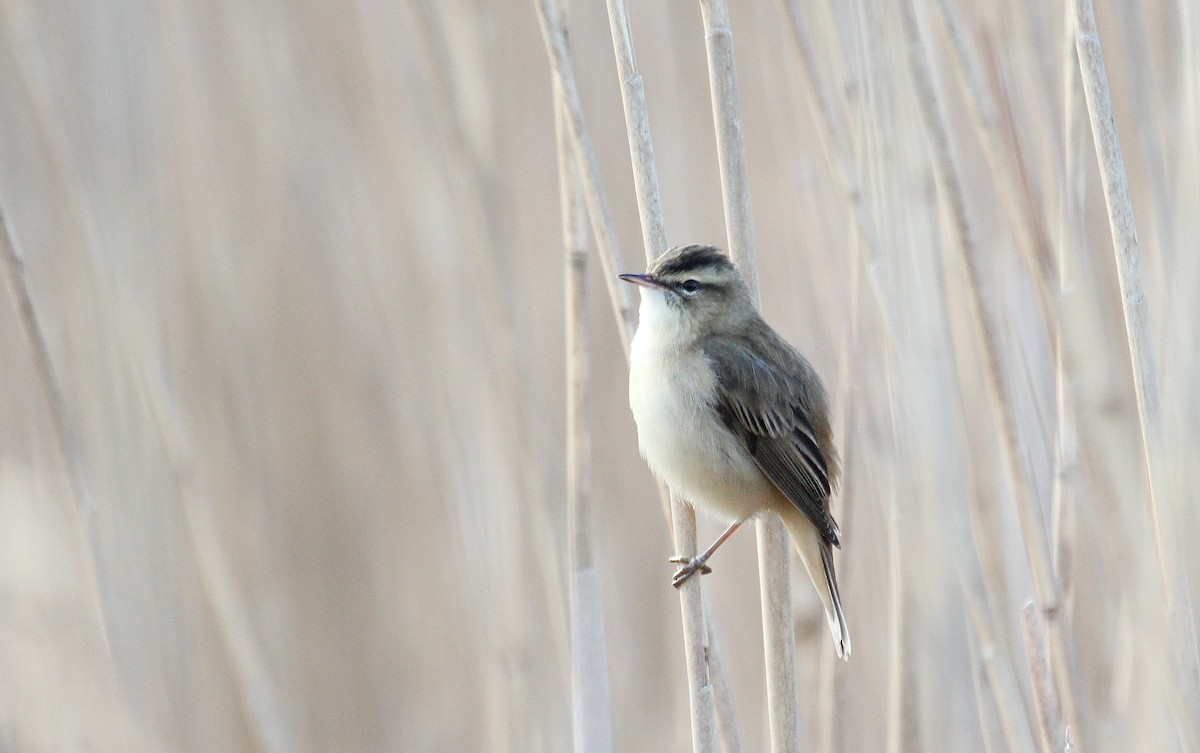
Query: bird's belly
687, 446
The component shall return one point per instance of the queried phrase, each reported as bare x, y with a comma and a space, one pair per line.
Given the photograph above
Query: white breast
671, 392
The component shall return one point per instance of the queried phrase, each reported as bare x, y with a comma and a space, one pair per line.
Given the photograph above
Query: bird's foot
691, 566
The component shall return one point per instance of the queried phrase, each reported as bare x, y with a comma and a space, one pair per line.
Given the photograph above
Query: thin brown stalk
774, 575
999, 393
1053, 735
1135, 305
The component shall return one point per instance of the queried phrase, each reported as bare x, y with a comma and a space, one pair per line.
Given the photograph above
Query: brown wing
771, 398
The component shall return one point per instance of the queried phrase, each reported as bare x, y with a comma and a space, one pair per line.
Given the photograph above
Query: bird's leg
699, 564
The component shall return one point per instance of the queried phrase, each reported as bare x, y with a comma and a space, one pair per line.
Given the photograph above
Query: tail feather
817, 556
837, 621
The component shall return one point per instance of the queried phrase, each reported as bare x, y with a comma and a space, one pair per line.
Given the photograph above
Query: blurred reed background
283, 425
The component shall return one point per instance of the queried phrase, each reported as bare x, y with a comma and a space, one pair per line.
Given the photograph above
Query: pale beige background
299, 271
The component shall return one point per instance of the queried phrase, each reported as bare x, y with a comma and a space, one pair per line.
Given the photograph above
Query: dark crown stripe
690, 259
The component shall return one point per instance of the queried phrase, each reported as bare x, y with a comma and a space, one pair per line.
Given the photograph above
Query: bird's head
694, 289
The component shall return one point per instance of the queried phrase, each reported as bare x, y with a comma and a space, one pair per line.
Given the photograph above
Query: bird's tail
817, 556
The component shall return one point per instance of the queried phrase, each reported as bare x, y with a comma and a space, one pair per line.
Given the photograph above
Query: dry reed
773, 546
1135, 306
293, 279
590, 700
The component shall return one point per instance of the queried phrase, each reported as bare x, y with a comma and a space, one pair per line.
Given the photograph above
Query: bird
731, 416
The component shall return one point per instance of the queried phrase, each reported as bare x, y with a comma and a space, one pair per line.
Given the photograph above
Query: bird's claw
691, 566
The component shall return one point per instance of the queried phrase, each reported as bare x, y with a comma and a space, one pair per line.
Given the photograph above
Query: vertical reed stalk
706, 698
826, 726
1135, 306
595, 198
590, 699
1054, 735
1072, 183
731, 151
774, 575
729, 732
697, 650
637, 127
695, 635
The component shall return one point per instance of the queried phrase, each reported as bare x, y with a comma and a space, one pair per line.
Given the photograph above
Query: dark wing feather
771, 398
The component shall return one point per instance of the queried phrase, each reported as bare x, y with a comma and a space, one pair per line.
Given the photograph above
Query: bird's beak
646, 281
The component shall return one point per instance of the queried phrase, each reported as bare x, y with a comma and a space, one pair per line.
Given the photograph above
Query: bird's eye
691, 287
